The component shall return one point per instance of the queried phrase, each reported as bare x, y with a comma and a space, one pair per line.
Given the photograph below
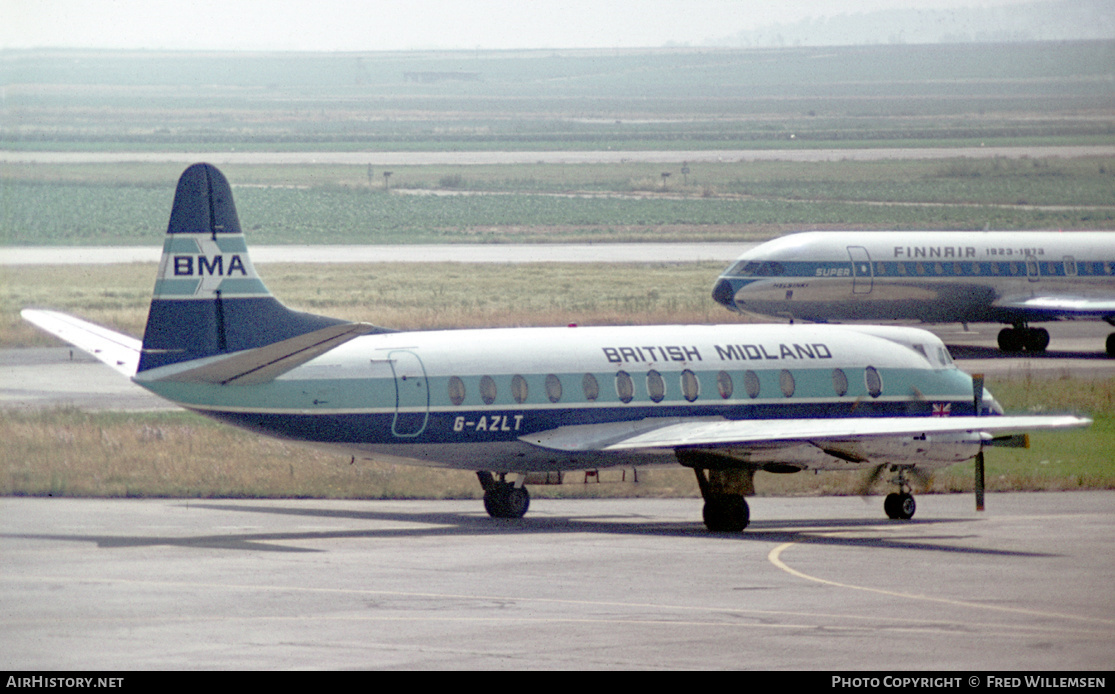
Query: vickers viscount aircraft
933, 276
512, 404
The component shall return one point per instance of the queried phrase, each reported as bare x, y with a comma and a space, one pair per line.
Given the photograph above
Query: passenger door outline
412, 390
863, 273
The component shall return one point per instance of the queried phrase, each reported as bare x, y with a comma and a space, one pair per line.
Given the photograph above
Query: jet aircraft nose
723, 293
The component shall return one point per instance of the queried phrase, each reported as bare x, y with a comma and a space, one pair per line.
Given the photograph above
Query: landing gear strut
723, 486
1022, 338
900, 505
503, 499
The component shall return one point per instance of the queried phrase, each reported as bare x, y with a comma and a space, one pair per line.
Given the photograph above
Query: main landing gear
1022, 338
503, 499
900, 505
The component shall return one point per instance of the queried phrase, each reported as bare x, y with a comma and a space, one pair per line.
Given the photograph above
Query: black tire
900, 506
726, 513
1111, 345
1037, 339
1010, 340
507, 501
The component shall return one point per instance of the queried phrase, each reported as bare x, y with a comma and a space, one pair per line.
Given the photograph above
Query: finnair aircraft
933, 276
528, 404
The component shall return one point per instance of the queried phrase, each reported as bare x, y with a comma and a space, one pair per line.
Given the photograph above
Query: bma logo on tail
198, 266
185, 266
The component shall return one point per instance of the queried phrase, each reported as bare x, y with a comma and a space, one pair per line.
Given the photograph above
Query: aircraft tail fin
208, 299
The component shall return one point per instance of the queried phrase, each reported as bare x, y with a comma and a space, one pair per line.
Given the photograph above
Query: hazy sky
348, 25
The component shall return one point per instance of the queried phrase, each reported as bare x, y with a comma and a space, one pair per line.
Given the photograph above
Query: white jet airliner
523, 404
933, 276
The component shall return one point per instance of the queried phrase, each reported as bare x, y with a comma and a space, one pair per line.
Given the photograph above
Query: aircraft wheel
900, 506
506, 501
726, 513
1037, 339
1010, 340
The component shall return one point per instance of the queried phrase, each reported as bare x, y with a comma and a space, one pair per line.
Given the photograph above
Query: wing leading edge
706, 433
117, 350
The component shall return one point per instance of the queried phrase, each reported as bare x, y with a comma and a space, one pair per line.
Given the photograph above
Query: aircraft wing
1066, 304
716, 433
119, 351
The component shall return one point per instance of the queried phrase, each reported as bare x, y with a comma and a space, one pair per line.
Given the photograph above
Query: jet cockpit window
758, 269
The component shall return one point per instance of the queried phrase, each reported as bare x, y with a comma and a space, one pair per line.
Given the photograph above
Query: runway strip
547, 157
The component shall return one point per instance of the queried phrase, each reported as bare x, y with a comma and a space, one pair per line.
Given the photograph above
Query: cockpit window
756, 268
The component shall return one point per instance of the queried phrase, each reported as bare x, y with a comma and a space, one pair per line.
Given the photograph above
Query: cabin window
956, 269
901, 268
456, 390
976, 269
488, 390
839, 382
938, 268
1070, 266
519, 388
724, 384
591, 387
994, 268
656, 387
625, 389
880, 268
920, 268
751, 384
690, 386
786, 381
553, 388
873, 381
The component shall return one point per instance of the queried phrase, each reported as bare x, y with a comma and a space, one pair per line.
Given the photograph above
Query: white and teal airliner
1011, 277
525, 404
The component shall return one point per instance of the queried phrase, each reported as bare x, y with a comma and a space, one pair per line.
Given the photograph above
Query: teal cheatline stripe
178, 244
242, 287
165, 288
232, 244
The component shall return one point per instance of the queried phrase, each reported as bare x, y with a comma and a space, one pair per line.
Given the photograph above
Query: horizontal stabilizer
262, 364
119, 351
721, 432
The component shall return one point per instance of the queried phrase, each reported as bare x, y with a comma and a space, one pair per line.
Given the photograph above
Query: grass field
128, 204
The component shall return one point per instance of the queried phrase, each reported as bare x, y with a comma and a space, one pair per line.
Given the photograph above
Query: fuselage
451, 398
1005, 277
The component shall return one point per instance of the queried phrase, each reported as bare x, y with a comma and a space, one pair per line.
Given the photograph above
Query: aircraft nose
724, 294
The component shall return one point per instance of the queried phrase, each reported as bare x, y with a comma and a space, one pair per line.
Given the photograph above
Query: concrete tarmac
814, 583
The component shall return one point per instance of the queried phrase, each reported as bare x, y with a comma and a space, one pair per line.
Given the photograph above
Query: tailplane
208, 299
